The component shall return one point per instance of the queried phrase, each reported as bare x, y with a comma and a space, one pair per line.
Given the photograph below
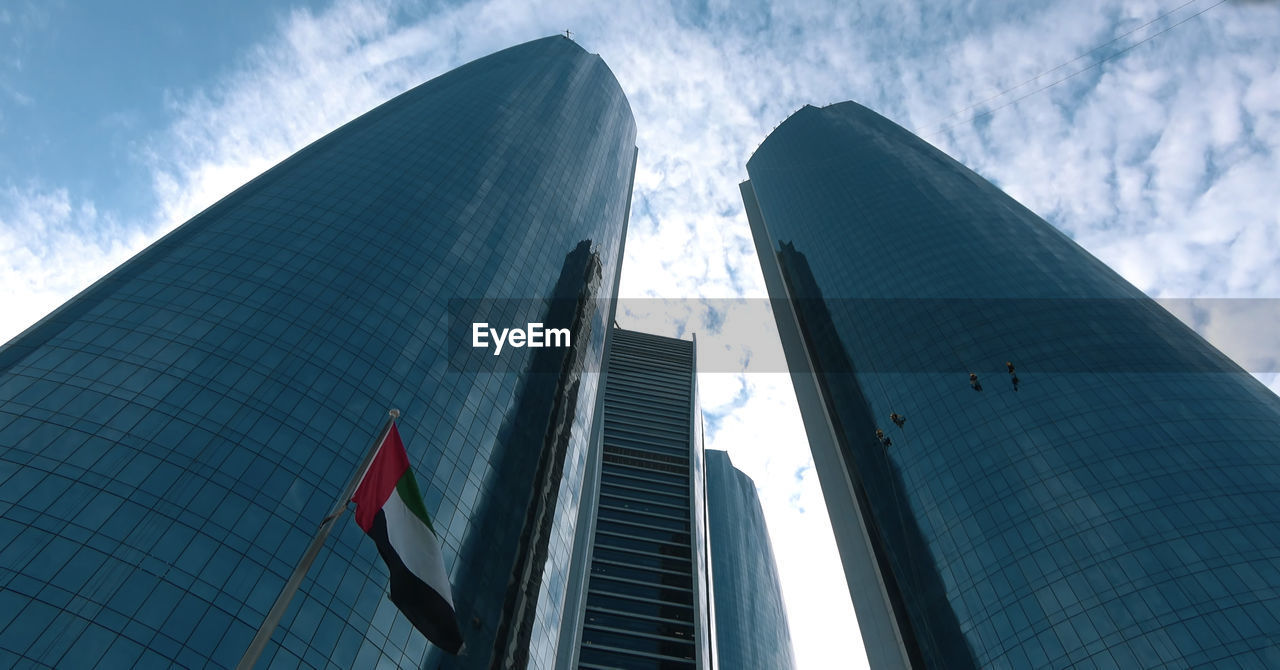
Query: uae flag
389, 508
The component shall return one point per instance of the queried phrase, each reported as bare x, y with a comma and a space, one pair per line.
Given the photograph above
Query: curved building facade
1108, 498
751, 618
171, 437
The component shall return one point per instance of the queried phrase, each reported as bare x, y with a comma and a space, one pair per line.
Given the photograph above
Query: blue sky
117, 122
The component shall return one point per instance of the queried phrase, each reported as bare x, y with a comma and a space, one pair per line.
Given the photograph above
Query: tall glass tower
751, 619
644, 600
171, 437
1107, 498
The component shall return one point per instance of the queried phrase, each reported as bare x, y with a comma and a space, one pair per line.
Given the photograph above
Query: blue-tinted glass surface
1115, 506
170, 438
751, 619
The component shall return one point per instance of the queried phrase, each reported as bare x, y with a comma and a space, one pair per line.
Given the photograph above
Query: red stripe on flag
379, 482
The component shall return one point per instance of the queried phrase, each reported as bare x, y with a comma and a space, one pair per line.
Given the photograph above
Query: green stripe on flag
407, 489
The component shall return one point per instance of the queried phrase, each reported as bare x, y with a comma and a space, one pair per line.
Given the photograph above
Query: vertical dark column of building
646, 602
1110, 499
170, 438
751, 619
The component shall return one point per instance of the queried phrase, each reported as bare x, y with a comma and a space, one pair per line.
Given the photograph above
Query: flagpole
278, 609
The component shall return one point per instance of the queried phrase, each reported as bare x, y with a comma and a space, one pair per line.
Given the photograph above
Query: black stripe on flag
422, 606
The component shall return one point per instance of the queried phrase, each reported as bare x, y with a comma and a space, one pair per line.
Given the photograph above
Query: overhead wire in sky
1059, 67
945, 127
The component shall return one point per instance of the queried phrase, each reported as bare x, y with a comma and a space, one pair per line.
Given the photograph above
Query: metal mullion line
617, 408
656, 481
659, 515
688, 605
657, 458
646, 552
626, 442
604, 588
629, 367
625, 633
661, 362
639, 500
643, 388
620, 470
660, 351
651, 402
631, 566
640, 394
641, 601
634, 633
619, 516
645, 350
647, 386
652, 411
624, 399
655, 345
656, 516
651, 347
634, 372
615, 473
654, 355
637, 524
637, 441
645, 451
652, 428
682, 498
644, 364
648, 527
679, 545
646, 464
667, 560
631, 652
652, 396
648, 441
635, 415
637, 615
640, 387
648, 452
665, 378
677, 504
638, 484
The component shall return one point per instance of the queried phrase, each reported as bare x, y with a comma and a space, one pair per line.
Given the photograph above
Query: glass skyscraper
1027, 462
645, 601
751, 619
171, 437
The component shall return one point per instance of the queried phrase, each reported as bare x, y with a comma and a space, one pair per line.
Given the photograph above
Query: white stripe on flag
416, 546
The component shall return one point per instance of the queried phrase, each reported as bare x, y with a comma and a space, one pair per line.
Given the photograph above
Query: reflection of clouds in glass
740, 335
1246, 330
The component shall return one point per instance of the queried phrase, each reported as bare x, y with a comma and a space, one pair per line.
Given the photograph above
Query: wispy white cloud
322, 71
46, 239
1162, 154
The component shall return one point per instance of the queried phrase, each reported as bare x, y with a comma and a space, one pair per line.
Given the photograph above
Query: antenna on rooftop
568, 35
